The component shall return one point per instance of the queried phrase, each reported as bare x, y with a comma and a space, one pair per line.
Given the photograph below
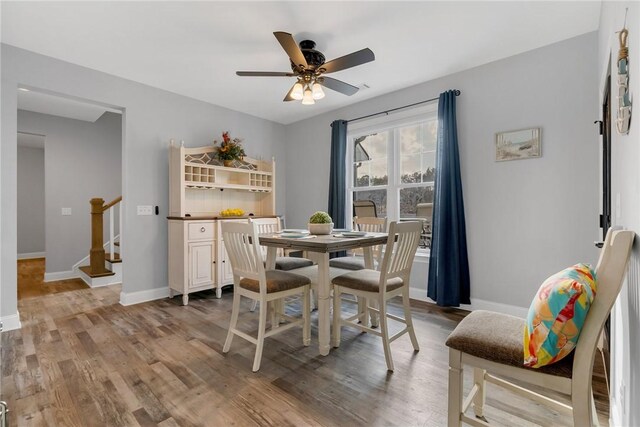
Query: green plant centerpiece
230, 149
320, 223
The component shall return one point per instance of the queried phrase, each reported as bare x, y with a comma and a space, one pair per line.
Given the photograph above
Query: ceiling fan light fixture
307, 99
317, 91
297, 92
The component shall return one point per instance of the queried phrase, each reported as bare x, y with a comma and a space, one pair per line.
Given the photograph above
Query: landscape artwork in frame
518, 144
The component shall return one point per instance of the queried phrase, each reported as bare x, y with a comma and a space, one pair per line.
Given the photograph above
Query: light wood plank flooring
82, 359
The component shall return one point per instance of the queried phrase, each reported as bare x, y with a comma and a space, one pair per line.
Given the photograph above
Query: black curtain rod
456, 92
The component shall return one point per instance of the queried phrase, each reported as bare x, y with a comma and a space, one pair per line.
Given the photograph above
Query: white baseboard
130, 298
476, 304
32, 255
60, 275
9, 323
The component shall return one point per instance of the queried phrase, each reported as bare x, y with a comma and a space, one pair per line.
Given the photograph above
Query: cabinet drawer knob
202, 230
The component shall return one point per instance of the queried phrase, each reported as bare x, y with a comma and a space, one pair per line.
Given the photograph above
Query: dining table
322, 246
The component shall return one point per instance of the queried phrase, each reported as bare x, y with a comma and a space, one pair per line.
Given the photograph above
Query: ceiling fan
309, 66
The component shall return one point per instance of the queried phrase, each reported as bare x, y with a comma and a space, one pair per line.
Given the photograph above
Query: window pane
428, 167
410, 197
379, 197
370, 159
361, 174
430, 136
410, 169
409, 140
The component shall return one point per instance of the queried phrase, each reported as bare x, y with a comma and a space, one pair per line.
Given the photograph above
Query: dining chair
370, 225
424, 211
492, 345
389, 281
365, 208
252, 281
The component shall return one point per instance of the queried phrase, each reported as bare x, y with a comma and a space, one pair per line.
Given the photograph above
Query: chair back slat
610, 273
243, 249
370, 224
264, 226
400, 250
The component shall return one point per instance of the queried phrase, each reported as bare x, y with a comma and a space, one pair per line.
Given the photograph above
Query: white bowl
320, 228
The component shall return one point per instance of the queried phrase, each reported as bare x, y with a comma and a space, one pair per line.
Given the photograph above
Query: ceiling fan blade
288, 97
339, 86
264, 74
352, 60
291, 47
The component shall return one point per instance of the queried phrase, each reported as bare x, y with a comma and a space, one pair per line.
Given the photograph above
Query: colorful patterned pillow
557, 314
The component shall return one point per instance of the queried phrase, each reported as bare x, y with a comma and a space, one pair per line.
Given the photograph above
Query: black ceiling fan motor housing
314, 58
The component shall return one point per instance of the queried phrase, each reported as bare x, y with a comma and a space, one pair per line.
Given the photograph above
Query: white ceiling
59, 106
195, 48
30, 140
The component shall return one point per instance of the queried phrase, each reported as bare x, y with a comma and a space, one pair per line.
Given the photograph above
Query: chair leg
306, 316
337, 309
314, 300
455, 388
581, 401
362, 309
479, 398
384, 330
406, 305
235, 310
273, 309
254, 305
373, 316
262, 326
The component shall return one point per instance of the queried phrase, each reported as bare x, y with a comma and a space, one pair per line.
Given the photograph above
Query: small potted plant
230, 149
320, 223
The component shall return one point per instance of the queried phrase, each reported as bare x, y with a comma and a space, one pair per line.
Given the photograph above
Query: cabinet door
201, 257
226, 272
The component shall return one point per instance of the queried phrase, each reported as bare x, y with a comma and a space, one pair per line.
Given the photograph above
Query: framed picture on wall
518, 144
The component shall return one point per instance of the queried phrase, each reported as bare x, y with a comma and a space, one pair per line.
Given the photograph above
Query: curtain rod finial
456, 92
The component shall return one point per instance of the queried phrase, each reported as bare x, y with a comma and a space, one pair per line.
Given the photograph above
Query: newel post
96, 254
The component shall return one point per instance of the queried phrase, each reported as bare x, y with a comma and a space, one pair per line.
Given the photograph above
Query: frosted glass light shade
297, 92
307, 99
318, 93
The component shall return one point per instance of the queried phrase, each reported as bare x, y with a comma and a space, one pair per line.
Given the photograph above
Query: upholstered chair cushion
557, 314
365, 280
347, 263
498, 337
276, 281
287, 263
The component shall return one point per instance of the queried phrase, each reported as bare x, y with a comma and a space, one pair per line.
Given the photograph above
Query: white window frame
380, 124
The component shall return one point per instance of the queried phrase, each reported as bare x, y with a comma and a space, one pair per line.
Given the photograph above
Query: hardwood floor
31, 280
82, 359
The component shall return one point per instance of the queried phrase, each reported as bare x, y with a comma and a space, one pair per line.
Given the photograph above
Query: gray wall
525, 219
83, 160
625, 317
31, 237
152, 117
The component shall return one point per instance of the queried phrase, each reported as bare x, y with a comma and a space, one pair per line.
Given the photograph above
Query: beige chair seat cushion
365, 280
499, 338
287, 263
347, 263
277, 281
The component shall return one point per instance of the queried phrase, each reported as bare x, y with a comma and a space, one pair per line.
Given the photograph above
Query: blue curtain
338, 173
449, 264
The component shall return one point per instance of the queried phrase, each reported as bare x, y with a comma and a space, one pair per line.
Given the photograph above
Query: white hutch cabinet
199, 188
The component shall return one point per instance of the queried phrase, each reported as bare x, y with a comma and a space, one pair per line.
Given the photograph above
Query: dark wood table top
323, 243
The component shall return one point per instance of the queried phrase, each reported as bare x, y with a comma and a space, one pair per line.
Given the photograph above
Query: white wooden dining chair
286, 263
492, 345
369, 225
252, 281
389, 281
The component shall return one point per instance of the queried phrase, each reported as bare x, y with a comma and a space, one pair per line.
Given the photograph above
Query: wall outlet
66, 211
145, 210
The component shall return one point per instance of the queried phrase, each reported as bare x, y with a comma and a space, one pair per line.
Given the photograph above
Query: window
392, 163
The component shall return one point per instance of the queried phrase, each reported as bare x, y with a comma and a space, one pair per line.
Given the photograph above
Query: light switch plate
145, 210
66, 211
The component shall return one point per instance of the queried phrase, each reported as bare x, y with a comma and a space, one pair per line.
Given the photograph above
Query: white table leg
368, 263
277, 306
324, 303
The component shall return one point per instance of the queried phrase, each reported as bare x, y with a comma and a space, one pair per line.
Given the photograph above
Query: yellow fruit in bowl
232, 212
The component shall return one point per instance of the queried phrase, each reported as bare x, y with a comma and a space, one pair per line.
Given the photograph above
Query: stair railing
97, 253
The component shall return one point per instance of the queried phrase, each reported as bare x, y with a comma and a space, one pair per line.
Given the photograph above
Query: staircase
105, 263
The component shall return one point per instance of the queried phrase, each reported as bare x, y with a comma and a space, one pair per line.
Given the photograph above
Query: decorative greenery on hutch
229, 149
